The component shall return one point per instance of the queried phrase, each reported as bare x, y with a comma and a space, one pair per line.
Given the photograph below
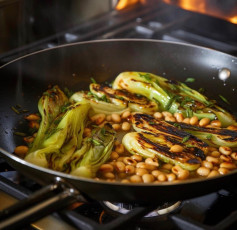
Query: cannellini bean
114, 155
223, 171
162, 177
126, 126
129, 161
171, 177
34, 124
179, 117
226, 158
140, 171
167, 166
176, 148
117, 142
120, 166
170, 118
225, 150
228, 165
119, 149
156, 173
136, 157
166, 113
32, 117
21, 150
106, 168
186, 120
215, 154
204, 121
194, 120
145, 166
152, 161
116, 118
129, 169
29, 139
126, 114
203, 171
158, 115
135, 179
216, 123
120, 159
148, 178
234, 156
213, 173
213, 160
207, 164
109, 175
180, 173
98, 118
116, 126
108, 118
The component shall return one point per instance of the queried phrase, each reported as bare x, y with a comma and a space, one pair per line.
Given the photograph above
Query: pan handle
53, 197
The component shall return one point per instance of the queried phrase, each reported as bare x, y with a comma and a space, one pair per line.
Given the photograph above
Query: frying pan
23, 81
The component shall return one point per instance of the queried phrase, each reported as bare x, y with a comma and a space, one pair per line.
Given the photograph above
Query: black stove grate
215, 211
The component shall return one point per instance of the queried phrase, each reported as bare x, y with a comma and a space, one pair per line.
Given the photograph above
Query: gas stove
150, 20
213, 211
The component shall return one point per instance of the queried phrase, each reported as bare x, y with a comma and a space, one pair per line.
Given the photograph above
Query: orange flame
201, 6
126, 3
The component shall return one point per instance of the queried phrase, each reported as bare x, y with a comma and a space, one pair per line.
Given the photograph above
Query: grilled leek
213, 136
49, 106
145, 123
63, 137
149, 145
172, 96
119, 97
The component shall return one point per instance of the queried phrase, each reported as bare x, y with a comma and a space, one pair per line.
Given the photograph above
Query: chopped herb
189, 112
103, 131
209, 136
224, 99
185, 139
104, 98
186, 100
24, 111
68, 92
190, 79
118, 97
46, 94
93, 80
15, 110
96, 142
157, 82
174, 87
19, 134
201, 90
170, 102
151, 123
64, 107
146, 76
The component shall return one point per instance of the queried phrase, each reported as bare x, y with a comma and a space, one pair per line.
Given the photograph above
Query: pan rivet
224, 74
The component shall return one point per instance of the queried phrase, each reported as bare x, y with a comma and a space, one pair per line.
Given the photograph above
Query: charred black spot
193, 161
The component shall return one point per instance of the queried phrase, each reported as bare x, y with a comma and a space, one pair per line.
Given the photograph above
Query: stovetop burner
123, 208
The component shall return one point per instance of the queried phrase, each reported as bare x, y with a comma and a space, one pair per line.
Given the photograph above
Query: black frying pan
72, 66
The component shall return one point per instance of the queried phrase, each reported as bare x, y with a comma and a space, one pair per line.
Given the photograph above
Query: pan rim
118, 40
91, 180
